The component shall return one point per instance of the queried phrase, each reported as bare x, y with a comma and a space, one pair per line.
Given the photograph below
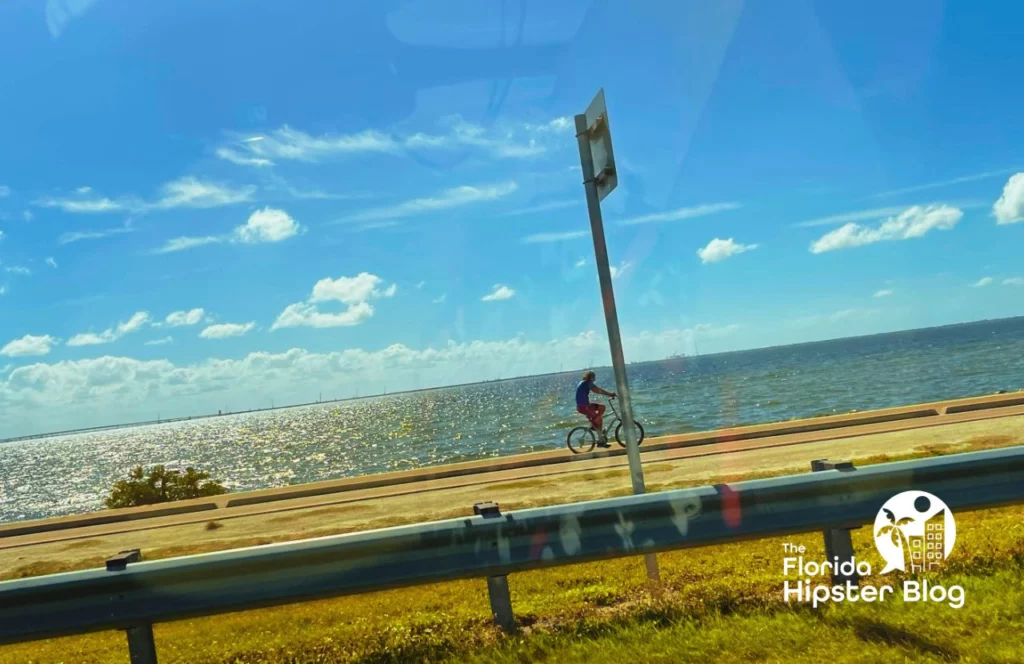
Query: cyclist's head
589, 375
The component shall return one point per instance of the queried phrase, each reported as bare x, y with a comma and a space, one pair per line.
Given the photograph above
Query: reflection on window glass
272, 272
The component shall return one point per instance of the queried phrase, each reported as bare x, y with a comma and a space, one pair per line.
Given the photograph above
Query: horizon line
187, 418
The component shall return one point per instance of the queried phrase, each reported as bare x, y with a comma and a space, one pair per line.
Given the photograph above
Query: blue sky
208, 205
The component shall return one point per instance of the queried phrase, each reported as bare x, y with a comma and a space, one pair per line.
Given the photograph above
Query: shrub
162, 486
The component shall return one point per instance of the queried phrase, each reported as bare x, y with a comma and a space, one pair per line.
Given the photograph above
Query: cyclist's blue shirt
583, 392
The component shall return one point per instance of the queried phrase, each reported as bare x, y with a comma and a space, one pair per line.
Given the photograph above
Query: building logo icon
914, 532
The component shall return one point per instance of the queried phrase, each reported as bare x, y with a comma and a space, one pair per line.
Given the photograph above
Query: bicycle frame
609, 421
614, 417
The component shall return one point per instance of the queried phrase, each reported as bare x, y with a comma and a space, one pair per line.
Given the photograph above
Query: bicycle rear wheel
581, 440
620, 436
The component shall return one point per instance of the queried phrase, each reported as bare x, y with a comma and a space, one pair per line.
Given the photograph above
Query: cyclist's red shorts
593, 412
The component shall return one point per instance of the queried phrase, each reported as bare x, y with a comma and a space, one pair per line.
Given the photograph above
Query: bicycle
583, 439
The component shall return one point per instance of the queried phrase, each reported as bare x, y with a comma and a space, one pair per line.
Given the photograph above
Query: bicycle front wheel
620, 436
581, 440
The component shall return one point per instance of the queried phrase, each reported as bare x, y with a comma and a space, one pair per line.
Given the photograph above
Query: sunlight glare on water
47, 477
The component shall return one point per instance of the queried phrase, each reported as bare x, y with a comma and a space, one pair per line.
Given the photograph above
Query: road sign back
600, 136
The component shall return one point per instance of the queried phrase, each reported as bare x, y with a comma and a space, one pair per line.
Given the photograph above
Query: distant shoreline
192, 418
188, 418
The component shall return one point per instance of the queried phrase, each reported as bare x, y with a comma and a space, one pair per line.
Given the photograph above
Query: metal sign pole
590, 181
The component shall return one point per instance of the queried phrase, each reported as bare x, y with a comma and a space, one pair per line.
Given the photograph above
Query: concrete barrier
1015, 400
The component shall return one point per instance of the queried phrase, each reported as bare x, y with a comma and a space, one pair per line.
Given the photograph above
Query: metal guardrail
491, 544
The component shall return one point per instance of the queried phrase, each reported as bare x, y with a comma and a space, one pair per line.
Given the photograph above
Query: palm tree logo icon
894, 529
914, 527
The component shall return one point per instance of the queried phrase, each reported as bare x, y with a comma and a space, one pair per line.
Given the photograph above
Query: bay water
69, 474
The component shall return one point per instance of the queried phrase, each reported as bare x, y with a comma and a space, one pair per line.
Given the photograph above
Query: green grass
717, 604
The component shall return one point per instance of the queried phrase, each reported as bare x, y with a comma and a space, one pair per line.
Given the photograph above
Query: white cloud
27, 215
5, 191
51, 261
3, 290
185, 192
267, 225
133, 324
183, 243
859, 215
292, 144
502, 141
941, 183
543, 238
160, 342
843, 315
353, 292
981, 283
446, 200
264, 226
180, 318
1013, 281
18, 269
914, 222
227, 330
440, 298
621, 269
350, 290
420, 285
315, 194
371, 226
580, 263
1, 235
101, 390
559, 125
546, 207
500, 292
885, 292
77, 236
1009, 209
60, 13
190, 192
237, 158
305, 314
719, 249
498, 144
680, 213
29, 345
83, 205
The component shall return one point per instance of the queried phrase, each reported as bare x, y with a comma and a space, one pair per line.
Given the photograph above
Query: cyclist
593, 411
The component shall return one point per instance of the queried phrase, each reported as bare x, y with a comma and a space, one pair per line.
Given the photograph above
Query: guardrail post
497, 586
838, 543
141, 647
120, 561
501, 602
